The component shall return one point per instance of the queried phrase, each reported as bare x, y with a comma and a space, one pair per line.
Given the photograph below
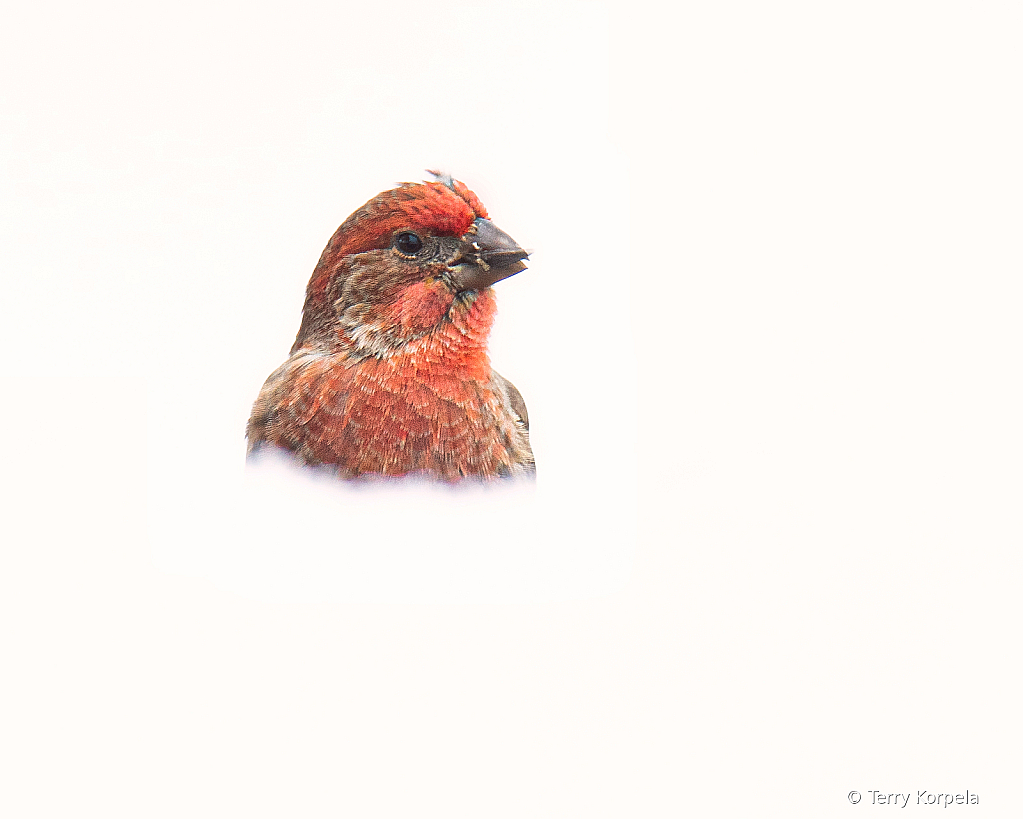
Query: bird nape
389, 374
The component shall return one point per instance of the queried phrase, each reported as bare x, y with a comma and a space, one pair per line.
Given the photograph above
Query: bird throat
429, 405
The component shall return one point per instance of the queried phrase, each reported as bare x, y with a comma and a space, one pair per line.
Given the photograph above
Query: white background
770, 340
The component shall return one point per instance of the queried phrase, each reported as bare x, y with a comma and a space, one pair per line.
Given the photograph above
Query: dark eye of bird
408, 243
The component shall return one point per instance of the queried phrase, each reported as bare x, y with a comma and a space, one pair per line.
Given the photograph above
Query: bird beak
488, 256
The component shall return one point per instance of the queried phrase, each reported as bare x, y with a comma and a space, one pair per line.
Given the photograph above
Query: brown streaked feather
518, 403
515, 405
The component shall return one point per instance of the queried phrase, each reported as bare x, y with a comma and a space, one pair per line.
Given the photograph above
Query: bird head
402, 265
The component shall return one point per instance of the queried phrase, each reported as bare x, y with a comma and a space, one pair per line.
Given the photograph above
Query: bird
389, 375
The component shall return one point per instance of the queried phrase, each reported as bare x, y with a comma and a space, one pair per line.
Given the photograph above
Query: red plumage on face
389, 373
429, 207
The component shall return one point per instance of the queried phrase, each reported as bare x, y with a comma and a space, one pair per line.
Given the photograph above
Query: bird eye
408, 243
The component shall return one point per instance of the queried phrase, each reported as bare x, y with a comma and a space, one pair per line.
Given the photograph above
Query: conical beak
489, 255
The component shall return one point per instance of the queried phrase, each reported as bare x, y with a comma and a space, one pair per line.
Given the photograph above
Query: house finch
389, 374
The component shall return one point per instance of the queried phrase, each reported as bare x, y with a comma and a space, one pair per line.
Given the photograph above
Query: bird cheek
421, 305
